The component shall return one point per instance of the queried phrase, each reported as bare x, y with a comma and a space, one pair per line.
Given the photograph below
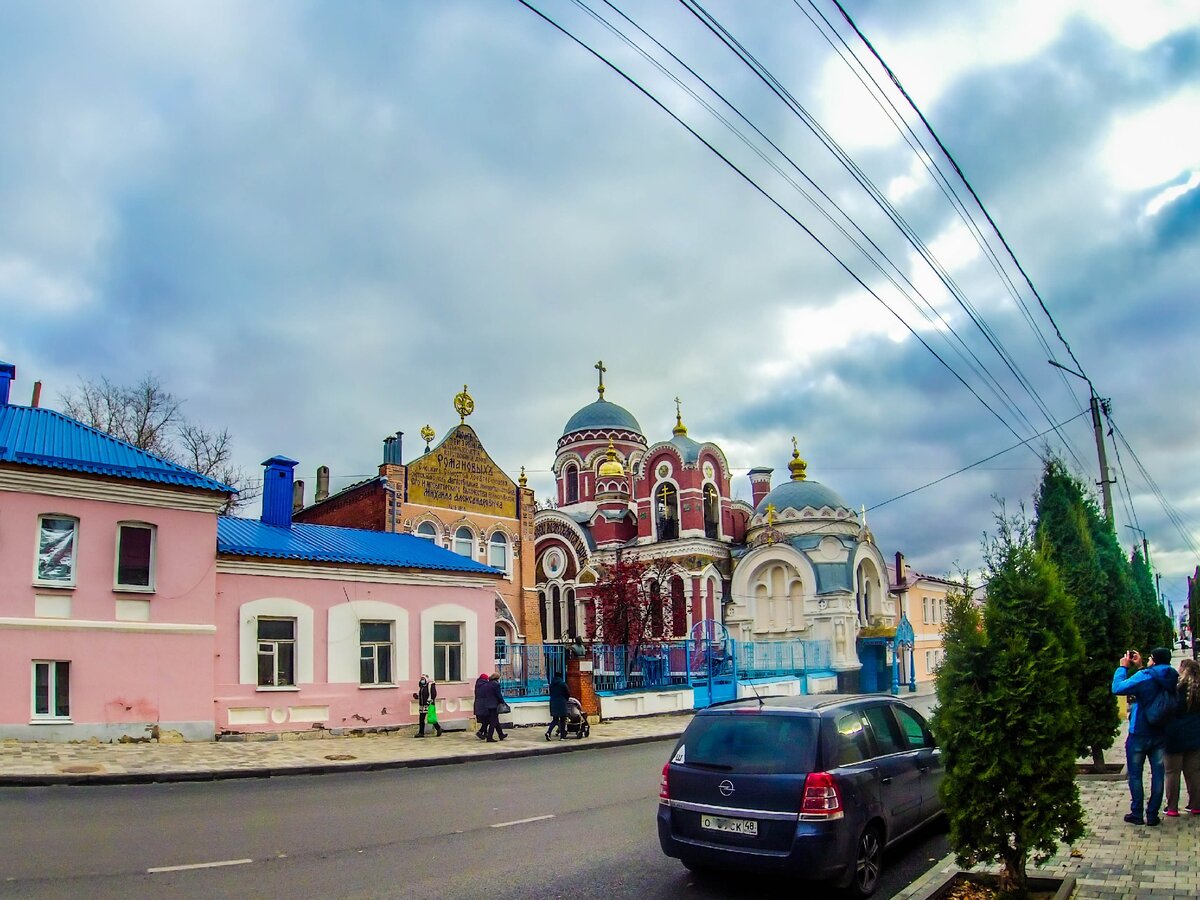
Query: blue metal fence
527, 669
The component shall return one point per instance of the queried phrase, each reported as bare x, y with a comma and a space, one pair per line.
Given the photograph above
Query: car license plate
733, 826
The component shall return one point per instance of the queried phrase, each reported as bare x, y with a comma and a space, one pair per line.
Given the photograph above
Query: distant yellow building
924, 599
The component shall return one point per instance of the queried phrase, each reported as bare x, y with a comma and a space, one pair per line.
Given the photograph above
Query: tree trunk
1012, 877
1097, 760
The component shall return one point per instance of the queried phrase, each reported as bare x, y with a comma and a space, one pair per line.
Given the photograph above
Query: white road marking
521, 821
207, 865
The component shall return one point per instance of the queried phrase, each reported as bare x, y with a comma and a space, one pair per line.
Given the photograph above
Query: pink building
129, 607
107, 583
327, 627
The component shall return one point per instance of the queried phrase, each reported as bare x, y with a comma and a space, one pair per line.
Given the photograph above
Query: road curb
113, 778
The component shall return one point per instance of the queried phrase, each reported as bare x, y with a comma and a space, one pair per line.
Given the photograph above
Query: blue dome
688, 449
602, 415
799, 494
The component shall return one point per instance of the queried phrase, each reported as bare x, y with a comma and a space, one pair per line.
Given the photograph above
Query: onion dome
688, 448
800, 493
611, 467
602, 416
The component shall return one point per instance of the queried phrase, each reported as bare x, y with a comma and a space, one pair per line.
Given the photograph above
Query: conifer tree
1066, 536
1007, 717
1151, 625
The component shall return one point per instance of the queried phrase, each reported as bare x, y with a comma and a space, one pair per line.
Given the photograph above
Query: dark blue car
815, 786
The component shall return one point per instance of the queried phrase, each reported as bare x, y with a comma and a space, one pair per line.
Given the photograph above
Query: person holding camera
1146, 740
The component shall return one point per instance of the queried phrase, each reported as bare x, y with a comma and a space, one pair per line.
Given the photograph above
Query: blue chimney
277, 491
8, 374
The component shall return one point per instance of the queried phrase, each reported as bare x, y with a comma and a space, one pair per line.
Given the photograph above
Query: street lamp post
1098, 428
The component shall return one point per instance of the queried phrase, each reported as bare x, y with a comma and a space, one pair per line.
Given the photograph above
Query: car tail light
822, 799
664, 789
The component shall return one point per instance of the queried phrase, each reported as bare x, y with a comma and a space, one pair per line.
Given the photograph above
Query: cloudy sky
317, 221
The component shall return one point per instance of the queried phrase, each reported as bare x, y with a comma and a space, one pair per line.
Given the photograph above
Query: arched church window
555, 613
498, 552
571, 477
656, 610
501, 645
464, 542
428, 531
572, 614
679, 624
712, 512
545, 615
666, 506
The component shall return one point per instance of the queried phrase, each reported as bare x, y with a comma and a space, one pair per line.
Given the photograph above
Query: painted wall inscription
460, 475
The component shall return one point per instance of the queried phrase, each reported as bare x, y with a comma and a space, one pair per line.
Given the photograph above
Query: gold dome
611, 467
797, 466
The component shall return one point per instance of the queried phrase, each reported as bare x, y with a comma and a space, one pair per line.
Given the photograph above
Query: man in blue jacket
1145, 741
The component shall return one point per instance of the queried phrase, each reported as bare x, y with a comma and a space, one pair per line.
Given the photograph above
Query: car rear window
753, 743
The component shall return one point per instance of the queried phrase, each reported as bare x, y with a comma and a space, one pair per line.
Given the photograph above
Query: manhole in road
80, 770
338, 757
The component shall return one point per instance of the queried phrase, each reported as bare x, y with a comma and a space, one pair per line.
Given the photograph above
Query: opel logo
725, 787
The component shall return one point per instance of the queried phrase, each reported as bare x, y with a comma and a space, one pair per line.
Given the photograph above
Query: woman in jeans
1183, 741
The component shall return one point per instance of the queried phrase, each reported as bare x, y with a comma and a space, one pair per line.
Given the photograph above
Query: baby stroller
577, 723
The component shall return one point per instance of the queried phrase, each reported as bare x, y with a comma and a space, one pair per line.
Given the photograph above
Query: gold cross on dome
600, 368
664, 495
770, 513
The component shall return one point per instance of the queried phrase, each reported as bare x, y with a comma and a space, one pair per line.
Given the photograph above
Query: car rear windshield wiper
716, 767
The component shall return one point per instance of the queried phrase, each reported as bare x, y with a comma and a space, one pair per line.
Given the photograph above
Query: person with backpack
1183, 741
1153, 692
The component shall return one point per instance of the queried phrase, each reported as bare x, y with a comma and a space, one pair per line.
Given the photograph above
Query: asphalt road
570, 825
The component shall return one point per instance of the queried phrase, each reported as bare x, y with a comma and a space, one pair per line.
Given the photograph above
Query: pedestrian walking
493, 702
559, 695
426, 697
1146, 740
481, 688
1183, 741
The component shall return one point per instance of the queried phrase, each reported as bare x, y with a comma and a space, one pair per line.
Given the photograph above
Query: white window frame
151, 575
259, 642
51, 690
37, 552
431, 535
389, 644
504, 543
470, 541
441, 653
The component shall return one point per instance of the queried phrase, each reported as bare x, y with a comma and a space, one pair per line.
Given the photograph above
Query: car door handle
887, 780
923, 769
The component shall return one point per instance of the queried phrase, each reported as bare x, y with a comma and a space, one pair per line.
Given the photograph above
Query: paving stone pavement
30, 763
1114, 861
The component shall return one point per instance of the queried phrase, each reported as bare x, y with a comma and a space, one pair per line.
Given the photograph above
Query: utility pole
1098, 428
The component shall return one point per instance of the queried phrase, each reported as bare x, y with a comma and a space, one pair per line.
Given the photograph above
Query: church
797, 562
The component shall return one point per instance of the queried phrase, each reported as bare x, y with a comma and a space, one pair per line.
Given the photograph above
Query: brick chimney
277, 491
297, 496
8, 374
760, 484
322, 484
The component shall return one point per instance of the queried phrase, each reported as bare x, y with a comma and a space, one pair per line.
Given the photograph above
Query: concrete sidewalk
35, 763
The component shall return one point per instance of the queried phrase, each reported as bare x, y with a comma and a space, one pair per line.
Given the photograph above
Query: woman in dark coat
1183, 741
481, 684
558, 707
426, 696
492, 698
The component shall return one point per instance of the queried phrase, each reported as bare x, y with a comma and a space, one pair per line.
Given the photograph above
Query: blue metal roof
332, 544
602, 414
34, 436
799, 495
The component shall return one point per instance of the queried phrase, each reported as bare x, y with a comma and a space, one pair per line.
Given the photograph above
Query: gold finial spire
797, 465
600, 368
611, 467
522, 481
770, 523
428, 434
680, 428
463, 405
